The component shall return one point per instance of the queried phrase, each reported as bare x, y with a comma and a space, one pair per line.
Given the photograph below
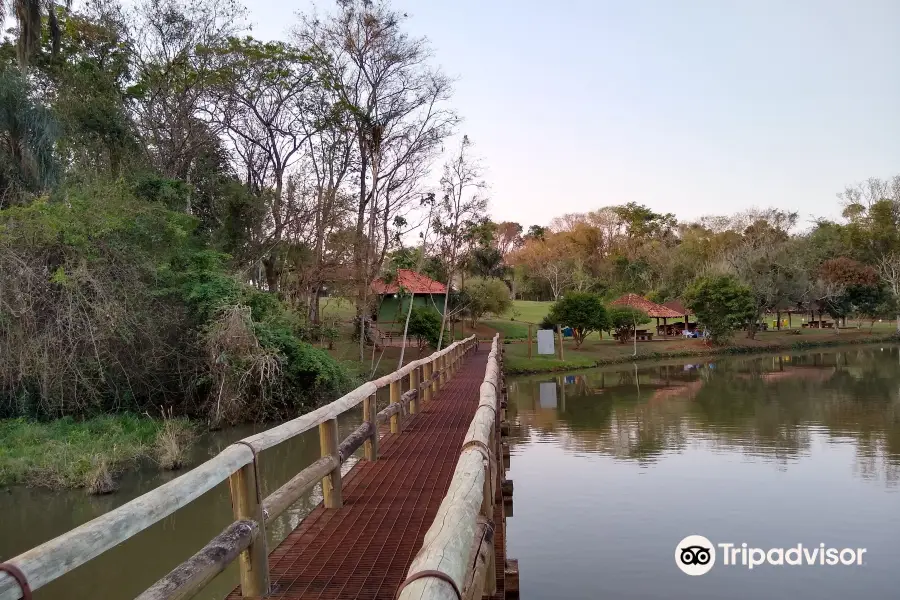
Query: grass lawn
66, 453
337, 308
596, 352
511, 330
527, 311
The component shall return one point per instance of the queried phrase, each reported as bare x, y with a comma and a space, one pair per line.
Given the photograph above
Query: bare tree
259, 101
461, 207
858, 198
764, 260
396, 102
174, 72
889, 271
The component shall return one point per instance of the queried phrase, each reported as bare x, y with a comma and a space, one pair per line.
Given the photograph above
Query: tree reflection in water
772, 407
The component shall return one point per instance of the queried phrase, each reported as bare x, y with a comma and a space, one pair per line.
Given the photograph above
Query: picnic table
642, 336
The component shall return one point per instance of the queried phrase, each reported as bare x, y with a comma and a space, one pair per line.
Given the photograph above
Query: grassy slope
64, 453
514, 323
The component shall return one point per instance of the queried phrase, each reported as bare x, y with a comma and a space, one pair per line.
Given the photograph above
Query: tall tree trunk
412, 299
359, 248
444, 316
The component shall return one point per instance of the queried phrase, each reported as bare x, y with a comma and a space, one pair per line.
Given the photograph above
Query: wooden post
331, 483
395, 399
427, 370
370, 412
530, 326
247, 505
442, 367
559, 334
414, 384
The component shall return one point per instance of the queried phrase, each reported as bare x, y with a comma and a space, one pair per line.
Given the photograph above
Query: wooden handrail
193, 575
455, 544
55, 558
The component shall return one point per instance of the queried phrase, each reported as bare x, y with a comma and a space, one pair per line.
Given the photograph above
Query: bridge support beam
331, 483
414, 385
428, 370
370, 412
395, 399
247, 505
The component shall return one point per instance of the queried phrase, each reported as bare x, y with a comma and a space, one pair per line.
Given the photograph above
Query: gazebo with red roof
653, 310
425, 291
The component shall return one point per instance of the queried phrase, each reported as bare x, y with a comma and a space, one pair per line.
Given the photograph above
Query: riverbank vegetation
70, 453
596, 352
176, 198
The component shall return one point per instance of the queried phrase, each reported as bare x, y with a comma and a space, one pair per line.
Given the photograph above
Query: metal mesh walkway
363, 550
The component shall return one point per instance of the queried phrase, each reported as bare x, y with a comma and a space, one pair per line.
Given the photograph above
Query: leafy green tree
486, 296
28, 133
721, 304
425, 326
583, 312
29, 16
624, 321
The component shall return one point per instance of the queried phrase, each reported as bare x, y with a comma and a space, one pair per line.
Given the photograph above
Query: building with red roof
410, 282
653, 310
394, 293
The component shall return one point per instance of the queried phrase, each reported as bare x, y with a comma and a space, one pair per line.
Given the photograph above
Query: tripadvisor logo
696, 555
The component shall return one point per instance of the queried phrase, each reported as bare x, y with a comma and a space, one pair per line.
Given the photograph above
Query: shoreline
517, 366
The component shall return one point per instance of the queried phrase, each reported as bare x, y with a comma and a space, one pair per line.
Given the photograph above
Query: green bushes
110, 302
721, 304
583, 312
425, 326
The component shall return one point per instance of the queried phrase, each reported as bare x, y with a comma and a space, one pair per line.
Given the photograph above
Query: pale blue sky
692, 107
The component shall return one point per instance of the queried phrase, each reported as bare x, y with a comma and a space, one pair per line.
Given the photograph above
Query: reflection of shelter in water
686, 390
768, 406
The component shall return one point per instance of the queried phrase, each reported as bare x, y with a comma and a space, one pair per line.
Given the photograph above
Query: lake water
29, 517
613, 468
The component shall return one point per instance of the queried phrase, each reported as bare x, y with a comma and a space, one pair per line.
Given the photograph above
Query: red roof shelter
653, 310
411, 281
678, 307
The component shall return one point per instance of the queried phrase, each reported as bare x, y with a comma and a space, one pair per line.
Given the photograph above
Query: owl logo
695, 555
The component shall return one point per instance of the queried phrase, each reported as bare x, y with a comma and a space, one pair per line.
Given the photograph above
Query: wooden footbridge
422, 516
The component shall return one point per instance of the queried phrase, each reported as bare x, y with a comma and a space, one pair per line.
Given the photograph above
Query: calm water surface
29, 517
612, 468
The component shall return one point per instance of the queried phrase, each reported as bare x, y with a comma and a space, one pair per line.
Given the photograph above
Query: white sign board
546, 338
548, 394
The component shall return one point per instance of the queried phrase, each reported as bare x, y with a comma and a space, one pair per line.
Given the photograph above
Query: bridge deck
364, 549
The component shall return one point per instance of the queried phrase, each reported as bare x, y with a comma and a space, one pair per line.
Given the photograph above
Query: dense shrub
722, 304
583, 312
424, 326
108, 302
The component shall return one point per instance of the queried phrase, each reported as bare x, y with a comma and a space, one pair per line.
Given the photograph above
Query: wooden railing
245, 538
459, 545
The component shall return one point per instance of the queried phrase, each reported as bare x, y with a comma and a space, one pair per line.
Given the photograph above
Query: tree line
177, 196
760, 261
